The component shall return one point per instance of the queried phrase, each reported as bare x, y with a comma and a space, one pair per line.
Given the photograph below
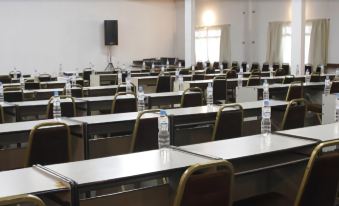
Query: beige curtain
225, 43
274, 42
318, 53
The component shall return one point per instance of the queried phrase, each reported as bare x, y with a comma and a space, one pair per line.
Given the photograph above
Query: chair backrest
219, 88
5, 79
286, 68
32, 85
232, 74
320, 181
18, 73
276, 66
334, 87
315, 77
68, 108
198, 77
210, 70
265, 67
49, 143
255, 66
235, 64
200, 66
279, 72
122, 105
256, 72
225, 65
22, 200
253, 80
192, 97
229, 122
145, 132
206, 184
216, 65
45, 77
2, 118
295, 91
308, 67
244, 66
294, 116
163, 84
87, 74
288, 79
13, 94
184, 71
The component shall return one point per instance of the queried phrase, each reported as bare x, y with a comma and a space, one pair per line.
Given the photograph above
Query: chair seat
317, 108
269, 199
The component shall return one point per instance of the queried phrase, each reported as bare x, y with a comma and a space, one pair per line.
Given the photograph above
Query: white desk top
326, 132
126, 166
248, 146
42, 102
26, 181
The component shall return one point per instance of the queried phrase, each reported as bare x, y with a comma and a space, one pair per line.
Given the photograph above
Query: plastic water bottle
193, 70
271, 71
143, 64
61, 73
240, 75
74, 79
36, 75
141, 99
266, 111
15, 74
163, 135
162, 73
153, 66
247, 67
181, 83
322, 69
327, 86
297, 70
337, 73
167, 63
209, 95
221, 69
307, 77
56, 106
68, 88
179, 65
22, 83
177, 73
128, 86
1, 93
129, 75
119, 77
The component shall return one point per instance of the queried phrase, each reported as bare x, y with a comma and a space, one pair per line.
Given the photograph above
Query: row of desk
261, 164
187, 126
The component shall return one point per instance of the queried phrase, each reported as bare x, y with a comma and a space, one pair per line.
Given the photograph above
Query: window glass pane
207, 44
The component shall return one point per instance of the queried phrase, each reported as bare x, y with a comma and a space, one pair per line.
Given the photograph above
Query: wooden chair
232, 74
22, 200
192, 97
13, 94
68, 109
229, 122
210, 70
294, 116
235, 64
279, 73
122, 105
308, 67
219, 89
5, 79
315, 77
318, 186
255, 66
184, 72
244, 66
276, 66
11, 74
225, 64
145, 132
295, 91
49, 143
163, 84
216, 65
334, 87
253, 80
198, 77
286, 68
206, 184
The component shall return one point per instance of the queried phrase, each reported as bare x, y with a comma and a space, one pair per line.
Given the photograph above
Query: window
207, 44
287, 42
308, 30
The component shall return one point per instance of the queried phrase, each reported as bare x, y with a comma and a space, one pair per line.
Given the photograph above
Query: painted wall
44, 33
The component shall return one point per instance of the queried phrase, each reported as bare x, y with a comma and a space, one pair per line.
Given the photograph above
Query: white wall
316, 9
180, 29
44, 33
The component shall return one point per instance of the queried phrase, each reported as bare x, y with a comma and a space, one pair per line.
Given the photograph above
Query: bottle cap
163, 113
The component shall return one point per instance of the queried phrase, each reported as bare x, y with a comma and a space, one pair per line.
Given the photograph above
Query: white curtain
225, 43
318, 53
274, 42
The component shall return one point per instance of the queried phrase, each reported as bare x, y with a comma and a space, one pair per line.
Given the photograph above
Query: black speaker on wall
111, 32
